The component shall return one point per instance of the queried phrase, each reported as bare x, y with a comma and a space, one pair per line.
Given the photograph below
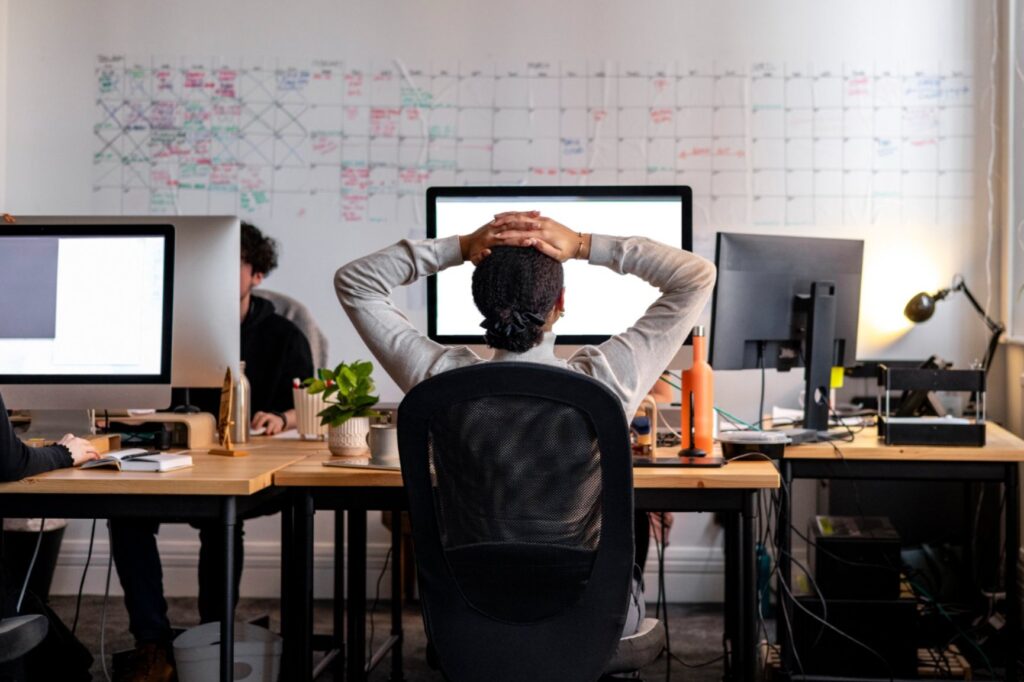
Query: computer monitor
784, 302
85, 318
207, 253
601, 302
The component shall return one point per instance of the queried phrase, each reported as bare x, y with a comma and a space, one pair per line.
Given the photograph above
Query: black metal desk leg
356, 596
396, 595
783, 541
746, 631
1012, 560
338, 612
227, 621
733, 598
289, 654
302, 591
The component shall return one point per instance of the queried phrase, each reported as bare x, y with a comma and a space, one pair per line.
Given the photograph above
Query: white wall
49, 106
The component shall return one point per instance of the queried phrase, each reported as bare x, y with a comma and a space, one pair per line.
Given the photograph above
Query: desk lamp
922, 306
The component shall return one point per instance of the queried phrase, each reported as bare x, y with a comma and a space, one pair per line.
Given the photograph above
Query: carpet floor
695, 634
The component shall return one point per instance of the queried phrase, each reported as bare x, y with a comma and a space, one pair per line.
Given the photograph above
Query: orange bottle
698, 399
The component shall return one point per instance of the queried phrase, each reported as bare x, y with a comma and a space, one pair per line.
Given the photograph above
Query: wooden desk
214, 488
731, 489
868, 458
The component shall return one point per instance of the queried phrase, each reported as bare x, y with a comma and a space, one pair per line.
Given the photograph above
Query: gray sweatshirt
628, 363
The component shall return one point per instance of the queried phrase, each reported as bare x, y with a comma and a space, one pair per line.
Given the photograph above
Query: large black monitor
784, 302
600, 302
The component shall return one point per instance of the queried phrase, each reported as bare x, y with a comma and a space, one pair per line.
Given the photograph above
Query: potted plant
347, 391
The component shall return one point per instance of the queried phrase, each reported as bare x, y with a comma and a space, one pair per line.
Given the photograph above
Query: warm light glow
894, 271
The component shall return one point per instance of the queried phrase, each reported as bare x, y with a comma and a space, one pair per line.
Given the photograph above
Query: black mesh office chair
520, 489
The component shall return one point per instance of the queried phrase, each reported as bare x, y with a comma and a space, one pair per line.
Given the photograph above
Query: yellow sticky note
837, 377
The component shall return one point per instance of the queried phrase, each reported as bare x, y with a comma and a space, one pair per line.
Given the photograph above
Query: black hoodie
275, 351
18, 460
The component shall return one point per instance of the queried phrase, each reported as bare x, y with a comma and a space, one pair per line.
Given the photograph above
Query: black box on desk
855, 557
901, 428
889, 627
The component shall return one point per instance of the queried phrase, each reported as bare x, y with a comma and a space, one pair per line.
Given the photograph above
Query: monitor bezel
684, 193
96, 230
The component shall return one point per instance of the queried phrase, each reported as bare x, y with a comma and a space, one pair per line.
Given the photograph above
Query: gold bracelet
579, 248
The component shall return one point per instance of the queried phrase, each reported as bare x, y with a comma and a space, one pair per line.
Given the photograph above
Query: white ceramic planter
349, 439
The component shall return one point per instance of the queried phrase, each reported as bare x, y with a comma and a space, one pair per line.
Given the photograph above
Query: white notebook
137, 459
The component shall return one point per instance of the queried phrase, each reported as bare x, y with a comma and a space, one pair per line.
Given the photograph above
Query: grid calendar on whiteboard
763, 144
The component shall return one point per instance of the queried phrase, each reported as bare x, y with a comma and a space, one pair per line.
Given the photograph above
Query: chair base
639, 649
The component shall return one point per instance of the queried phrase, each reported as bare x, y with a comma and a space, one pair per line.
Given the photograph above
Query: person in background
18, 461
275, 351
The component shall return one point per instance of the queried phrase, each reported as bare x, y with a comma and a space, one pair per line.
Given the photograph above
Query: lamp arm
994, 327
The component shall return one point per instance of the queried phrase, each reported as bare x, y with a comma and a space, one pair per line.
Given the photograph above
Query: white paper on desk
290, 434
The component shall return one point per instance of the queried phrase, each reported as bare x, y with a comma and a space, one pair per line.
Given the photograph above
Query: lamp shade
920, 308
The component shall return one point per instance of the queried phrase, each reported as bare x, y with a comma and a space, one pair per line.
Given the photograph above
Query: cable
760, 362
103, 610
81, 583
736, 420
376, 597
31, 565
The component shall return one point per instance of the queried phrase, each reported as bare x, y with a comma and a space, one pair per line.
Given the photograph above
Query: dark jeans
133, 544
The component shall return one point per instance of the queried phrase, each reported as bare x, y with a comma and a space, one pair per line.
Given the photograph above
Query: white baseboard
692, 574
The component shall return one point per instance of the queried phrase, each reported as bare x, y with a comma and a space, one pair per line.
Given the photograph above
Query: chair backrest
520, 487
295, 311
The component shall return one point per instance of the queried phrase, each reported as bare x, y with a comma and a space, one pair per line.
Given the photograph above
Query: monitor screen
599, 302
86, 304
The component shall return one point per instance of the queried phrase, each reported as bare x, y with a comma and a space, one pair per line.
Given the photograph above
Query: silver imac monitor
85, 319
602, 302
205, 330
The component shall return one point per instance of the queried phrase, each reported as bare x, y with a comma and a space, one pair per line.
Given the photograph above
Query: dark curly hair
515, 288
258, 250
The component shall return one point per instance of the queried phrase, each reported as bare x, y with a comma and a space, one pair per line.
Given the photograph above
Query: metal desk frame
225, 509
908, 470
740, 630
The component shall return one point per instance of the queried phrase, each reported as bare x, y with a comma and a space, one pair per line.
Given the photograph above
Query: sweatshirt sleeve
18, 461
364, 289
631, 362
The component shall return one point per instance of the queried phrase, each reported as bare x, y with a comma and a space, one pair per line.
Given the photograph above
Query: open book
137, 459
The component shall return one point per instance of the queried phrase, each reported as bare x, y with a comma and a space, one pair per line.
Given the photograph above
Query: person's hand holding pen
81, 450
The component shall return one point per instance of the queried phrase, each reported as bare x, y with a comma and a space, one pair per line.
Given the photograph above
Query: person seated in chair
517, 286
18, 461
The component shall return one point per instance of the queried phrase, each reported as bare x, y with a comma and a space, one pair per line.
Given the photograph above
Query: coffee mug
383, 442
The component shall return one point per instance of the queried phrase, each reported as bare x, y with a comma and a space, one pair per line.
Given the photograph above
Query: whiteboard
323, 123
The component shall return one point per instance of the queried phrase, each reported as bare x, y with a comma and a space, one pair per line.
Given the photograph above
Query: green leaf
316, 386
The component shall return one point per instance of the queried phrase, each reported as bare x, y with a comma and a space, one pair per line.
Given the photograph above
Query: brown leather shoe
148, 663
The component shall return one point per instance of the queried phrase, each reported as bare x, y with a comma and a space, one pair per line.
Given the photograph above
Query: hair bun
513, 329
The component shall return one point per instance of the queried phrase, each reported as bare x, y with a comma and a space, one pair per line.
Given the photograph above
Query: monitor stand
693, 457
52, 425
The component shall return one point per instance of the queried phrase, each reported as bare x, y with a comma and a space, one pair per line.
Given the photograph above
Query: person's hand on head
81, 450
477, 246
548, 236
271, 423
